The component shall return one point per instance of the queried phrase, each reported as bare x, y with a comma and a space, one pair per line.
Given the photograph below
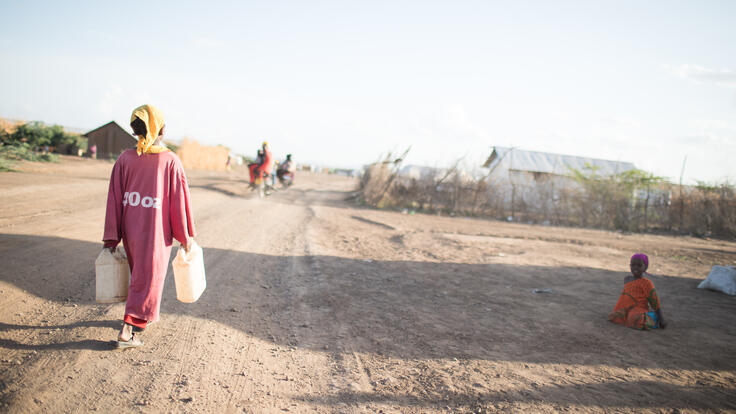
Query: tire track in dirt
347, 373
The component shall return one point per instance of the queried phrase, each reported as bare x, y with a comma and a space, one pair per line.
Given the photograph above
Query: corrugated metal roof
544, 162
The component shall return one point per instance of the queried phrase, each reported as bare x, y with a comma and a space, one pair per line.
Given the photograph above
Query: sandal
133, 342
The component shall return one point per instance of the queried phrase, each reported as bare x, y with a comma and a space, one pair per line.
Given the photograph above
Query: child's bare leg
126, 332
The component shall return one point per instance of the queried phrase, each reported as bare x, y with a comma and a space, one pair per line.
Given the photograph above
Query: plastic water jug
112, 276
189, 273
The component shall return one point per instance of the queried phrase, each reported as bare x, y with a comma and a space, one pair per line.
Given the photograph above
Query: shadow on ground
417, 310
412, 309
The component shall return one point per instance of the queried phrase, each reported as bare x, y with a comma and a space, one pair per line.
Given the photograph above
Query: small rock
187, 399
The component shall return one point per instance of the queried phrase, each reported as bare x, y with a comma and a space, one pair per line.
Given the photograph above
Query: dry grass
9, 125
200, 157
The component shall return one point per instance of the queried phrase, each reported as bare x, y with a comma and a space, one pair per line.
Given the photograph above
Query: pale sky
339, 83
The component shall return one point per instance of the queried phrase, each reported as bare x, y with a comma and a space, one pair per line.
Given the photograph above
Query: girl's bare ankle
126, 333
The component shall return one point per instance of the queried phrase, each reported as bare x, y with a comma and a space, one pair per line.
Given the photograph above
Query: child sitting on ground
632, 308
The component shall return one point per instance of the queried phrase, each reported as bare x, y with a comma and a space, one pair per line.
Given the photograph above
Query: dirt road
316, 305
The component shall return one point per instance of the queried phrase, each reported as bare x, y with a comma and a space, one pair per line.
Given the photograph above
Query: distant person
638, 296
286, 171
263, 166
147, 208
93, 151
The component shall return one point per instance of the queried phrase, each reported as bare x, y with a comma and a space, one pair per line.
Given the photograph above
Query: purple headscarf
643, 258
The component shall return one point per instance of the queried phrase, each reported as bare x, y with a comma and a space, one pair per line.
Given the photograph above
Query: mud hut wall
111, 140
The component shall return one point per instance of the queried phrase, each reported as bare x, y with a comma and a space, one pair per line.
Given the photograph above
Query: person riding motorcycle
263, 165
285, 172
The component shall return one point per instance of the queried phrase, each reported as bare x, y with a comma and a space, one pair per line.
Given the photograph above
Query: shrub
23, 151
38, 135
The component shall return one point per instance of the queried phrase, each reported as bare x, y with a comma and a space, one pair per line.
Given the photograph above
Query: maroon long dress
147, 208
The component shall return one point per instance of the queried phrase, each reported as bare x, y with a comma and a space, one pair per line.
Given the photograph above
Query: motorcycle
286, 179
263, 186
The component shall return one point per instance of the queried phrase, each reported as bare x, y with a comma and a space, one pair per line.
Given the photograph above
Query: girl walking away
639, 294
147, 208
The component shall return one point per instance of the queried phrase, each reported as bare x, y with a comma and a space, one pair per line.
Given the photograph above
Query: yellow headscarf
154, 120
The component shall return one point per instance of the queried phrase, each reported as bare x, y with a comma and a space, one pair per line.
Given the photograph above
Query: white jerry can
189, 273
112, 276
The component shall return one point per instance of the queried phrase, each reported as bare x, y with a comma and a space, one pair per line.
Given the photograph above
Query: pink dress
147, 207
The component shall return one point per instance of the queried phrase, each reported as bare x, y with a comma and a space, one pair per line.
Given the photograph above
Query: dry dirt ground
314, 304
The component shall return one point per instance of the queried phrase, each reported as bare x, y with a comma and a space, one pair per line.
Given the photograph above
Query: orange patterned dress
633, 306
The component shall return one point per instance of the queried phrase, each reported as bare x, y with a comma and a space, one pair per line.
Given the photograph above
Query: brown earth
316, 305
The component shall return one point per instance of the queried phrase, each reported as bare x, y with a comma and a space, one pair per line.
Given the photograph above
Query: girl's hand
110, 245
660, 317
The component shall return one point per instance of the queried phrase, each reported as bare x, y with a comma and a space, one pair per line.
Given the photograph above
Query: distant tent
111, 139
512, 159
540, 179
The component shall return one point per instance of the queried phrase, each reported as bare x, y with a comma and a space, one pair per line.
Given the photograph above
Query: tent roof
544, 162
